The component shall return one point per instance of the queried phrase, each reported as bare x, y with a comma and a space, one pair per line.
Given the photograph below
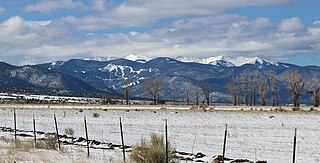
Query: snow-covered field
253, 135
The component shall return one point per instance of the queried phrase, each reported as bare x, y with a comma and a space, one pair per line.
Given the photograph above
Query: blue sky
37, 31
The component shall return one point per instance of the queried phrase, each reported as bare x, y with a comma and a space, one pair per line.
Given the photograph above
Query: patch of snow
138, 58
100, 58
120, 70
227, 61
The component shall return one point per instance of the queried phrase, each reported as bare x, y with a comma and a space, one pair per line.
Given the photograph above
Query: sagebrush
153, 151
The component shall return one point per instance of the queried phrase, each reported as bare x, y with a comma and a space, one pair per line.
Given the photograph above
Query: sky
39, 31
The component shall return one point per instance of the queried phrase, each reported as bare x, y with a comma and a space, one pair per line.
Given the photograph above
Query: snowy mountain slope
130, 57
177, 75
227, 61
221, 60
35, 78
137, 58
100, 58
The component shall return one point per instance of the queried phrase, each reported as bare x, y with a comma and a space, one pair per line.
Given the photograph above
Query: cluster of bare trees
250, 85
248, 88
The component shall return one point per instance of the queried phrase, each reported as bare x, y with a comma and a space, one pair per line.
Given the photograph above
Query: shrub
23, 145
48, 143
296, 108
69, 131
96, 115
151, 151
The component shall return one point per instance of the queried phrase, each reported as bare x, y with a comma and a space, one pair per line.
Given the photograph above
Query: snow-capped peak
137, 58
100, 58
131, 57
227, 61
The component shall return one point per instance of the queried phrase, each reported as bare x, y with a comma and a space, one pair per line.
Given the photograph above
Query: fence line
137, 133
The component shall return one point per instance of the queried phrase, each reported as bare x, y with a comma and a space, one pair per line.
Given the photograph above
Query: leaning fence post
294, 145
122, 141
57, 131
224, 143
15, 124
167, 150
86, 130
34, 132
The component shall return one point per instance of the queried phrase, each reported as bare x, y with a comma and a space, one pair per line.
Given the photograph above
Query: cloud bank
154, 28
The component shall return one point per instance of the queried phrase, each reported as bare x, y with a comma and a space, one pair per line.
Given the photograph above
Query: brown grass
150, 151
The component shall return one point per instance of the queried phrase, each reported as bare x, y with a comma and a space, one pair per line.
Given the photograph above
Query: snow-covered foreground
252, 135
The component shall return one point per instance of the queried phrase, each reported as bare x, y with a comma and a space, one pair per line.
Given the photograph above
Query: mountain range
179, 74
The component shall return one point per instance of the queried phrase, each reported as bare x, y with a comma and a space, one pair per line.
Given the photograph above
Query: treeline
251, 88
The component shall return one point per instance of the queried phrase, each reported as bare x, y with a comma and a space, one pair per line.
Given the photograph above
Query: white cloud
140, 13
46, 6
194, 29
206, 36
262, 22
291, 25
2, 10
99, 5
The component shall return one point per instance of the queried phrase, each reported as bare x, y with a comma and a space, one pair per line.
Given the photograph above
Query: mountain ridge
220, 60
114, 75
177, 75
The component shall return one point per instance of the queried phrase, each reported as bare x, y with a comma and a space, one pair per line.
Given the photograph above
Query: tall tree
187, 95
314, 89
253, 88
262, 89
197, 95
244, 81
153, 87
206, 92
127, 86
295, 85
233, 89
273, 86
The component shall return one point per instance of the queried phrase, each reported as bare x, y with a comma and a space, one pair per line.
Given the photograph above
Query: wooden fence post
167, 150
86, 130
34, 132
224, 143
122, 141
15, 124
57, 131
294, 145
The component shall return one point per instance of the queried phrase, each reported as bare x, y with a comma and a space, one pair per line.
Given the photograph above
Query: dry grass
150, 151
24, 151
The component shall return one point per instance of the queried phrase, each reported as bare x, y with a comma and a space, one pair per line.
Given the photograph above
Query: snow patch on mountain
120, 70
131, 57
227, 61
137, 58
100, 58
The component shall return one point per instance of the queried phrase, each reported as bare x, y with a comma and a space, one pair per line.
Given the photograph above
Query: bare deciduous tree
273, 86
314, 89
187, 95
233, 89
197, 95
153, 87
262, 89
295, 86
206, 92
253, 88
244, 81
127, 87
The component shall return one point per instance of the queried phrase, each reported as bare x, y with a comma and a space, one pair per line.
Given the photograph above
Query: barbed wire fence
108, 131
